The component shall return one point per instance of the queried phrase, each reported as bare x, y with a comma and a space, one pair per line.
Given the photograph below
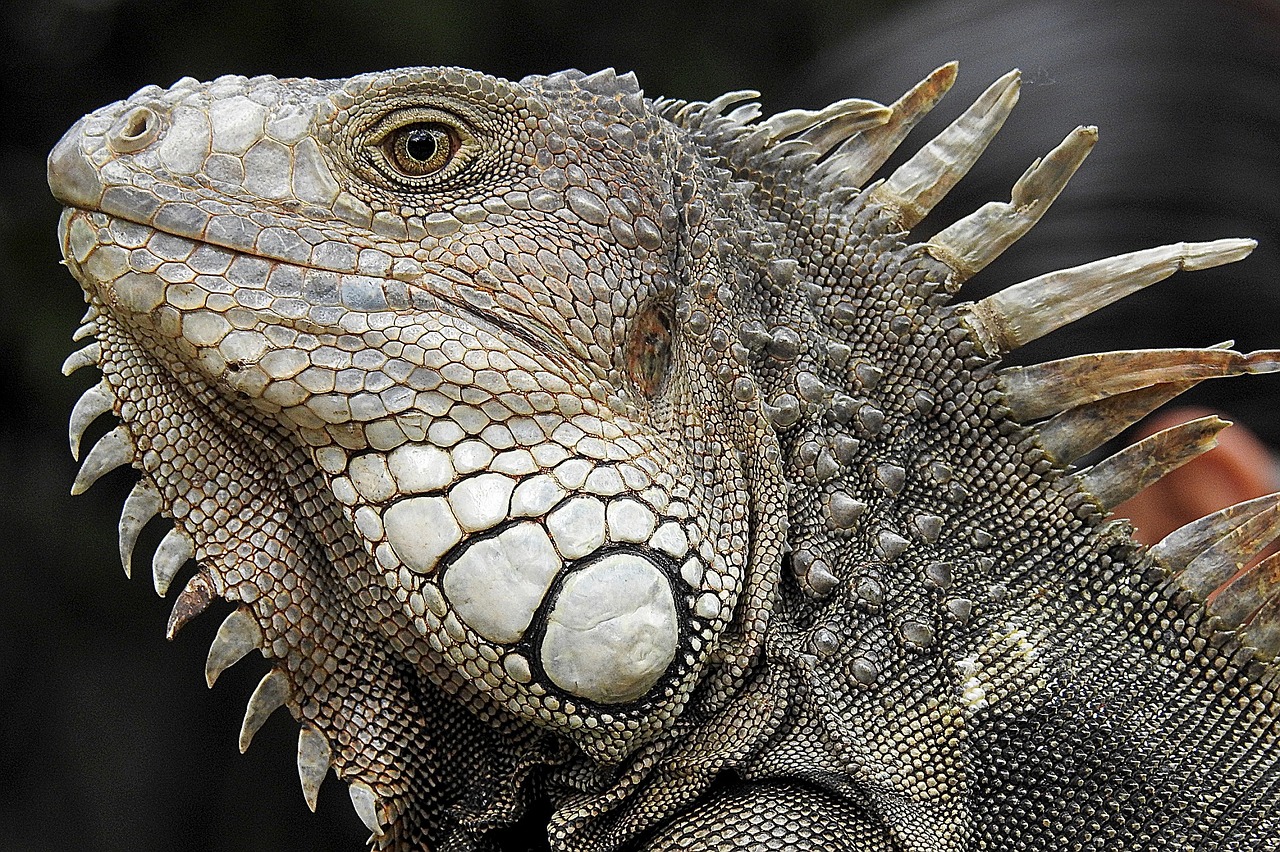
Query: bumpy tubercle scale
633, 446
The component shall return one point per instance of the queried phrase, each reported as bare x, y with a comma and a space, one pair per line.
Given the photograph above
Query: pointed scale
365, 802
842, 120
142, 504
113, 450
1246, 593
194, 599
828, 126
1225, 556
692, 113
314, 758
1117, 478
237, 636
1017, 315
968, 245
1176, 550
745, 113
1042, 390
1079, 431
272, 692
1206, 557
785, 123
88, 356
917, 186
171, 554
858, 158
716, 107
1262, 629
92, 404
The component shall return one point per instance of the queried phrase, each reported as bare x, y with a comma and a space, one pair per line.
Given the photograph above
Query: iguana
599, 472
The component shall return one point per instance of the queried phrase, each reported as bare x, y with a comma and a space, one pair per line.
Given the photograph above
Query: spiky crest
1089, 398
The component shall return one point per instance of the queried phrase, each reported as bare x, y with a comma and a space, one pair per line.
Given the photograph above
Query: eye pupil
421, 149
421, 144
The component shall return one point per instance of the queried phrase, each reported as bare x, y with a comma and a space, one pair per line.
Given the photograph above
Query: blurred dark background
108, 738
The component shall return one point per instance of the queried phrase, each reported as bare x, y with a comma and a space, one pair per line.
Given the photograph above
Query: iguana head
522, 421
429, 370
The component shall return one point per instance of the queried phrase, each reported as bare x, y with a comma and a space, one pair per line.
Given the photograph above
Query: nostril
135, 130
139, 121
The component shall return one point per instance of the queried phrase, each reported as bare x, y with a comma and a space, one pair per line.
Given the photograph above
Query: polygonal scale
613, 630
497, 584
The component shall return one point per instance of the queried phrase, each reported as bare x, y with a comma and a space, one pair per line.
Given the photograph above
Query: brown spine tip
195, 599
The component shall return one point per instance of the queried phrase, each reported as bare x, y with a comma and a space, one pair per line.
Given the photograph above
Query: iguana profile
617, 472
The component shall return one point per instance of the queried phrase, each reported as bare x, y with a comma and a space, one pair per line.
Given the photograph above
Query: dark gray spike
891, 545
917, 186
604, 82
1041, 390
858, 158
1225, 556
629, 83
845, 510
1176, 550
271, 694
1242, 596
1117, 478
970, 244
819, 581
1017, 315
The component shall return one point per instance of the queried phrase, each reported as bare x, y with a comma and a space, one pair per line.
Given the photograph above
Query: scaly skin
615, 470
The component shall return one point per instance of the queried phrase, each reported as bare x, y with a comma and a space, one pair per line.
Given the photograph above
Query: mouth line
545, 344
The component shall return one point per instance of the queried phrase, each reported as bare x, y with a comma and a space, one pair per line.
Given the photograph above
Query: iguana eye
421, 149
419, 146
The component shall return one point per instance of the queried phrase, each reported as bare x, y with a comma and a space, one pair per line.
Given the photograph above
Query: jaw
249, 505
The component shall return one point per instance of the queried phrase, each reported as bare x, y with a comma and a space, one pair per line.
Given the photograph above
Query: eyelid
393, 121
374, 161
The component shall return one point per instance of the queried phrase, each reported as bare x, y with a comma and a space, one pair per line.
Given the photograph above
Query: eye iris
421, 149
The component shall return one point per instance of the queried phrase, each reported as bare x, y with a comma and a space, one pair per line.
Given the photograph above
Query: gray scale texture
784, 571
